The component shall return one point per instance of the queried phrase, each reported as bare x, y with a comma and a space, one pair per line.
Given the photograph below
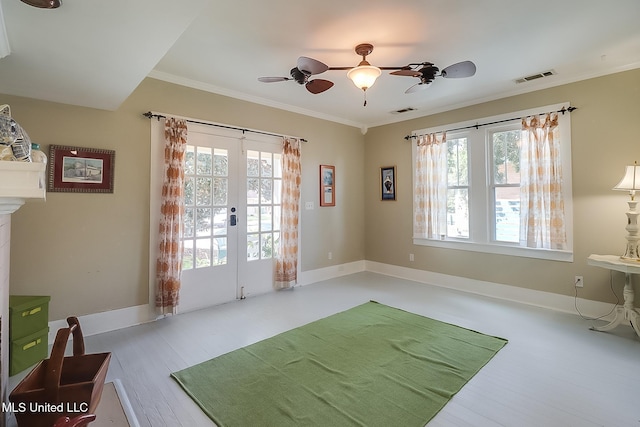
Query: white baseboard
122, 318
326, 273
105, 321
549, 300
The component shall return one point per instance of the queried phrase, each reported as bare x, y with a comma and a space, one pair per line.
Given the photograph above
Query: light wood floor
553, 372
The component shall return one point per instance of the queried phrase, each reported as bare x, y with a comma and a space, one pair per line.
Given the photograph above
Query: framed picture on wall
388, 183
327, 185
80, 170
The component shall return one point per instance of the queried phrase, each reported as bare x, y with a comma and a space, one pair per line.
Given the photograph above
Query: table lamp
631, 182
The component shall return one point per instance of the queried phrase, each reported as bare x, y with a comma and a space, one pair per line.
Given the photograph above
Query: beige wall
90, 251
605, 131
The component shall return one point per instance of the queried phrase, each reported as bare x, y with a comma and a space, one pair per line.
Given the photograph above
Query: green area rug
372, 365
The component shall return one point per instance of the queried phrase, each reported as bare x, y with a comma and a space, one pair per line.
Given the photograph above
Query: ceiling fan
365, 75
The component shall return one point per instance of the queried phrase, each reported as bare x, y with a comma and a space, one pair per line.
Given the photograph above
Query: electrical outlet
330, 255
578, 281
411, 257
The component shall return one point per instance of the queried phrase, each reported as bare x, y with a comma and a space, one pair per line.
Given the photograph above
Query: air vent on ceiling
403, 110
536, 76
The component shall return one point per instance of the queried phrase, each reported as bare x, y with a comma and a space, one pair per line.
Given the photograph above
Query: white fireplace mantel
19, 182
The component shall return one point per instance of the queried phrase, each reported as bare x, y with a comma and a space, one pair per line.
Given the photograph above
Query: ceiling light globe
364, 76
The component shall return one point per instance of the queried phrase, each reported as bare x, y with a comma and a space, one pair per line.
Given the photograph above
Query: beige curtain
542, 222
430, 187
286, 260
169, 261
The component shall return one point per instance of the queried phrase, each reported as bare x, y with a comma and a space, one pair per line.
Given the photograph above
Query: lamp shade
631, 179
364, 76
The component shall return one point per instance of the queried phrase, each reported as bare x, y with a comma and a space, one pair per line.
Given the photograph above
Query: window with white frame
489, 169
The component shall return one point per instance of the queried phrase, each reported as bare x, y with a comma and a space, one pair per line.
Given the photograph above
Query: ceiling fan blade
409, 73
459, 70
273, 79
318, 86
418, 87
311, 66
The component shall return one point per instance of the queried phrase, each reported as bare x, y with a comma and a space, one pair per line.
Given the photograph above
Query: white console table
627, 312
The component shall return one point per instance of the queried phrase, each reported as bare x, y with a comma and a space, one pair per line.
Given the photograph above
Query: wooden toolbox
28, 331
61, 386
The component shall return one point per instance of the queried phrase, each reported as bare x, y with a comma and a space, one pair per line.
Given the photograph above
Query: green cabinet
28, 331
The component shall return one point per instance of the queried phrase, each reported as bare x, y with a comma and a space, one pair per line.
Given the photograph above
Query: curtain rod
476, 126
151, 115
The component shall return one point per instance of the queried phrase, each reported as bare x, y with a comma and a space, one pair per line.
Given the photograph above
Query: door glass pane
203, 253
220, 191
203, 191
220, 162
189, 191
265, 219
277, 165
276, 217
188, 222
264, 182
253, 191
277, 191
253, 247
203, 222
266, 195
266, 241
190, 160
253, 163
187, 255
220, 221
204, 161
276, 243
219, 251
253, 219
266, 165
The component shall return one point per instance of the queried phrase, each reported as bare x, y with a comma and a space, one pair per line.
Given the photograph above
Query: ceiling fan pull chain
365, 98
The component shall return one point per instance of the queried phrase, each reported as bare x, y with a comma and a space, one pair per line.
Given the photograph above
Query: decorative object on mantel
19, 180
81, 170
16, 141
631, 182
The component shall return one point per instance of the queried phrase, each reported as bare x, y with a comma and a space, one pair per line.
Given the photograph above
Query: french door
232, 216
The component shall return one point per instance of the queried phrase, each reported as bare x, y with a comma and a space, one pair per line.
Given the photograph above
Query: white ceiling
94, 53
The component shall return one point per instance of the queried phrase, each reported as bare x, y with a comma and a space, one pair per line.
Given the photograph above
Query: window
505, 183
457, 188
264, 182
485, 170
205, 216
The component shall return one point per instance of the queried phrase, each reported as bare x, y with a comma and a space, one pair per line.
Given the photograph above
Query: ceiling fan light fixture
364, 75
43, 4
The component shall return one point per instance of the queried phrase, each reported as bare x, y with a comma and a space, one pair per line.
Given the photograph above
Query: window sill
498, 249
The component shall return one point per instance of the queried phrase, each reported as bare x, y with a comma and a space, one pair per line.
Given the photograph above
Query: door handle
233, 219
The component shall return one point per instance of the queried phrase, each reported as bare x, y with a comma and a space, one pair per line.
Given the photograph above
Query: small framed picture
327, 185
80, 170
388, 183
